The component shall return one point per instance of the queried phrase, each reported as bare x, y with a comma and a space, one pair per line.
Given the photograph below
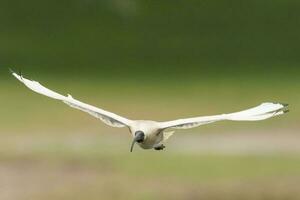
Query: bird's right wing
261, 112
108, 118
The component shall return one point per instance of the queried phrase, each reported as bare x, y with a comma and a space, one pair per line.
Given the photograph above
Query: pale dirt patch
26, 174
29, 180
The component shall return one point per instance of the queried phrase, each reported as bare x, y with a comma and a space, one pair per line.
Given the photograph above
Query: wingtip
11, 71
284, 108
285, 104
17, 76
286, 111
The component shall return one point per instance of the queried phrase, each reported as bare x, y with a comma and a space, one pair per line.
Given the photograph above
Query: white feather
261, 112
153, 129
108, 118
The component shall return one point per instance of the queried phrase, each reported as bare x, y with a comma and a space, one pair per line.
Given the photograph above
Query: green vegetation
148, 60
144, 40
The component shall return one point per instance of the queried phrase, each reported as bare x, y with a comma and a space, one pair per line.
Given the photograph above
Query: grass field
158, 60
49, 151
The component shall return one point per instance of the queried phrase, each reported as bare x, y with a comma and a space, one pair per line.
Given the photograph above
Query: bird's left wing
108, 118
261, 112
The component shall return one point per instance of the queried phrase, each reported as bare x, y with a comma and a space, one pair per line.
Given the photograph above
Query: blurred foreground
50, 151
159, 60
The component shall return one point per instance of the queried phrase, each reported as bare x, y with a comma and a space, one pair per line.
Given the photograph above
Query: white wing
108, 118
261, 112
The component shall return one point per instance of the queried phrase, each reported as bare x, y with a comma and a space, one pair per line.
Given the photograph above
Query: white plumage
151, 134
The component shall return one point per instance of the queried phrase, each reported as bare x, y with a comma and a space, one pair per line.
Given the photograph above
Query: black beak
139, 137
132, 144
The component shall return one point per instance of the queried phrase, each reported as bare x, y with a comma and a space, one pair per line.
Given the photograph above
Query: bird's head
139, 138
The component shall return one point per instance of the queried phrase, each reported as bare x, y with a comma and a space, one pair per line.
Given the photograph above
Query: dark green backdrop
148, 39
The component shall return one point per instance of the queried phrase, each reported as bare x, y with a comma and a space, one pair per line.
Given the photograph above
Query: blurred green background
158, 60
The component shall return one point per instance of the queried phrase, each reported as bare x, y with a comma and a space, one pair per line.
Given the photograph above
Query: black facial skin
139, 138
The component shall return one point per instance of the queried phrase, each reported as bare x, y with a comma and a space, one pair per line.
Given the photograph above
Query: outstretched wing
261, 112
108, 118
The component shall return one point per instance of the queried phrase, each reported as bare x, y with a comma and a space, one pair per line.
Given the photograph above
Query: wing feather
108, 118
261, 112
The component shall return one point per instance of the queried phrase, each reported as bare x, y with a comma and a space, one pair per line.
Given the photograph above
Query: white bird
152, 134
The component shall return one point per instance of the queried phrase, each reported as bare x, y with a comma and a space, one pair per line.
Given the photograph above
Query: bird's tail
261, 112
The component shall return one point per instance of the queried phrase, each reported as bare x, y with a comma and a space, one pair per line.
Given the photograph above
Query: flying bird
152, 134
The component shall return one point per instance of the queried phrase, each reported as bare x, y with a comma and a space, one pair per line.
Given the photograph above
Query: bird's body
152, 134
